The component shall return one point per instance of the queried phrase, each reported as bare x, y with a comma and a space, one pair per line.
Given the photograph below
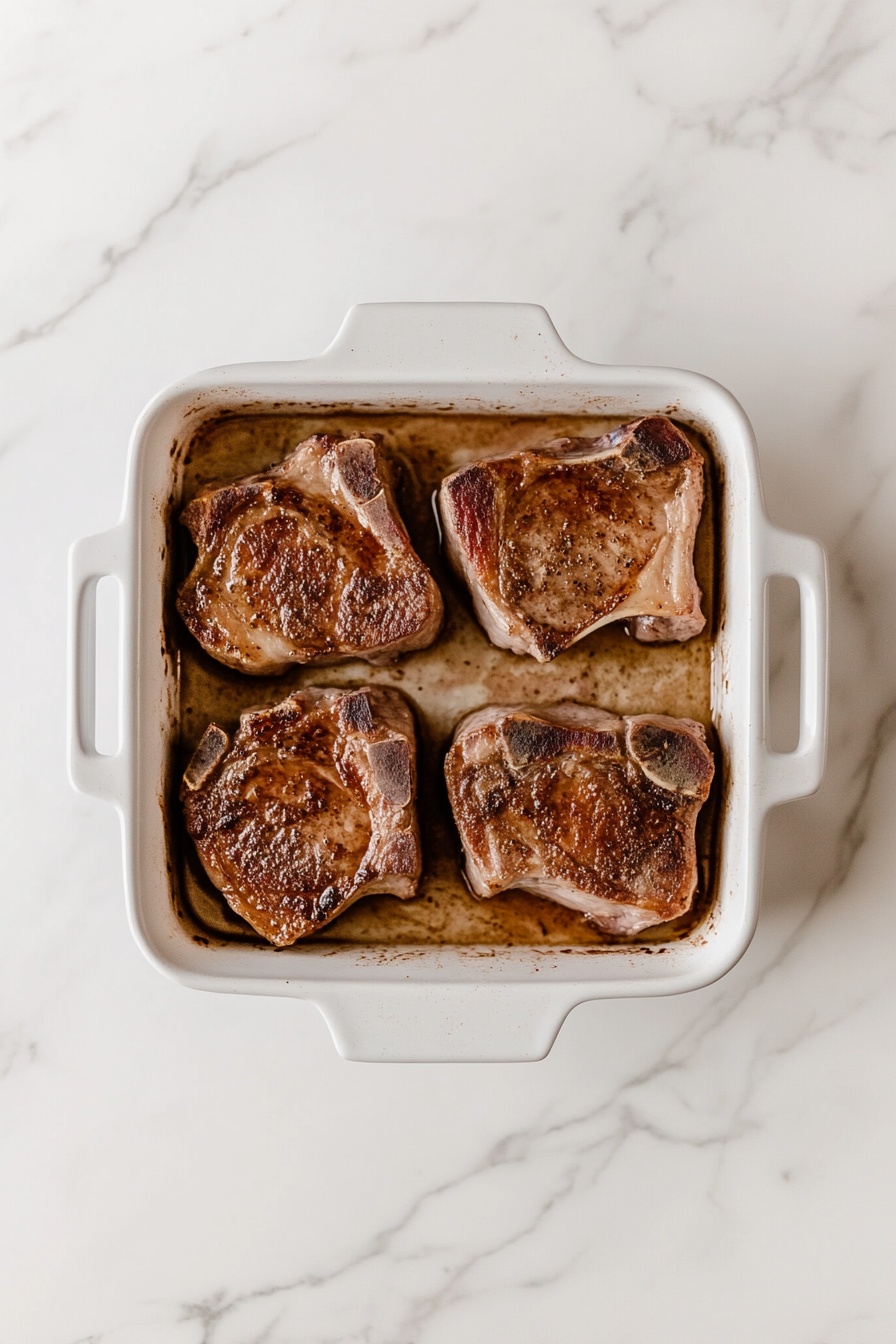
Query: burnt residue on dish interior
462, 671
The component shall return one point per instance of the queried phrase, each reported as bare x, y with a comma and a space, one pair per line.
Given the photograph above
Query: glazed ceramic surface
450, 1003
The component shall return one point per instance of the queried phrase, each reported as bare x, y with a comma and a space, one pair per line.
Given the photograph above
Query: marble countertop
704, 185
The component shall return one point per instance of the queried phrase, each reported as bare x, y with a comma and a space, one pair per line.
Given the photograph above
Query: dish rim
458, 358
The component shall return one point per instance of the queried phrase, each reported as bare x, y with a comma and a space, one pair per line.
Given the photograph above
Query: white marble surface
705, 183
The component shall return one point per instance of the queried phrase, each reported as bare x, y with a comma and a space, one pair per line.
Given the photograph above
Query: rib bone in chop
310, 807
575, 804
307, 563
558, 540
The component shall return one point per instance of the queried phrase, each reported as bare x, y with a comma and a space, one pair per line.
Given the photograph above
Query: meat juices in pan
586, 808
451, 678
307, 563
558, 540
311, 806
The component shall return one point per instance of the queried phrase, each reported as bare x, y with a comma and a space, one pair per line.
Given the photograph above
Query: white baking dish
448, 1003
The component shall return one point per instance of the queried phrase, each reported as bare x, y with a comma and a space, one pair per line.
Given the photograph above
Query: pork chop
588, 809
307, 563
308, 808
558, 540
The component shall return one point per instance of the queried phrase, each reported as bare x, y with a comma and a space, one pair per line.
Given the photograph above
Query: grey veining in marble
702, 183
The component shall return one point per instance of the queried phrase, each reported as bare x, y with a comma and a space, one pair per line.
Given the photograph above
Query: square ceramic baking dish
437, 1003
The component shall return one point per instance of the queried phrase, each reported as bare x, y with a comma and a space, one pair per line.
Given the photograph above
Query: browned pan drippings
460, 672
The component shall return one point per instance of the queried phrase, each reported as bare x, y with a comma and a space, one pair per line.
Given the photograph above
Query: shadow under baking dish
462, 671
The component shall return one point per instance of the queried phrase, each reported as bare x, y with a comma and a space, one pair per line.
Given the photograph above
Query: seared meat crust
307, 563
558, 540
310, 807
591, 810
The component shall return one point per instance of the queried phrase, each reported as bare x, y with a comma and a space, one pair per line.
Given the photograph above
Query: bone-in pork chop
558, 540
310, 807
307, 563
575, 804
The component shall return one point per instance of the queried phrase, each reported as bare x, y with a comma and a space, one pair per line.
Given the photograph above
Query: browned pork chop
310, 807
558, 540
575, 804
307, 563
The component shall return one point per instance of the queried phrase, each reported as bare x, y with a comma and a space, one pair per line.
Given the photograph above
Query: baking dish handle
447, 342
425, 1023
794, 774
91, 559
